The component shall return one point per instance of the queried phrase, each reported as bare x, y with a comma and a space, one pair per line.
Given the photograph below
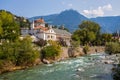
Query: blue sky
89, 8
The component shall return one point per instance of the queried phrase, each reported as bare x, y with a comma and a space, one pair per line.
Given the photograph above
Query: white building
39, 30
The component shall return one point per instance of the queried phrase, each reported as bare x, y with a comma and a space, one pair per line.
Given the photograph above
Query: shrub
75, 44
112, 47
27, 52
20, 52
86, 49
51, 51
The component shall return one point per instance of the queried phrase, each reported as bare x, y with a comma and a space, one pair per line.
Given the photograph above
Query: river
87, 67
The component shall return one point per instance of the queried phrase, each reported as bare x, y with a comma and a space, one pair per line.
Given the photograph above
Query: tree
20, 52
23, 23
9, 29
87, 33
90, 26
64, 28
91, 36
1, 30
106, 37
51, 51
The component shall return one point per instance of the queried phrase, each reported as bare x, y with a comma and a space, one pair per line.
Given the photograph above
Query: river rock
80, 69
46, 61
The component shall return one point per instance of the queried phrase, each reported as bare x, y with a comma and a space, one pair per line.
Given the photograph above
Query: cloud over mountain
99, 11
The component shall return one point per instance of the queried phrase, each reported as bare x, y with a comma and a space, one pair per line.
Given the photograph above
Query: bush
20, 52
75, 44
86, 49
112, 48
27, 53
51, 51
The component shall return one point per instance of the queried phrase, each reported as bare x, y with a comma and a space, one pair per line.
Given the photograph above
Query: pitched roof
63, 32
41, 27
41, 20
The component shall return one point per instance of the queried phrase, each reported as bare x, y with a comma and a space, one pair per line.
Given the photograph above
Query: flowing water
87, 67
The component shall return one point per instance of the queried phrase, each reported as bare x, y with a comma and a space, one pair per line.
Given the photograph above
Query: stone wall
71, 52
96, 49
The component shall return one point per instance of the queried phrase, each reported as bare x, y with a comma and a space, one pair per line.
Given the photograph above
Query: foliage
27, 53
87, 33
106, 37
64, 28
91, 26
9, 29
75, 43
112, 47
41, 42
76, 35
20, 52
52, 50
1, 30
23, 23
86, 49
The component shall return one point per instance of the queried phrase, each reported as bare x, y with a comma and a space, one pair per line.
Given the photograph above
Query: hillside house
40, 31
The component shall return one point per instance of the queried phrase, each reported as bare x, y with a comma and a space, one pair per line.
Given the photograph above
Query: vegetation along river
90, 67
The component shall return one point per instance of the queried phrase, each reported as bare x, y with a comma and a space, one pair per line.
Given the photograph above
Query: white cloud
99, 11
107, 7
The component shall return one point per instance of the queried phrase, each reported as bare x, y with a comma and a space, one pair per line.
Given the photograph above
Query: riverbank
9, 66
65, 54
87, 67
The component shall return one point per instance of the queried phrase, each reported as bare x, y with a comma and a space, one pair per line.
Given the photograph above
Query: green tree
106, 37
20, 52
1, 30
51, 51
23, 23
88, 33
27, 52
8, 27
90, 26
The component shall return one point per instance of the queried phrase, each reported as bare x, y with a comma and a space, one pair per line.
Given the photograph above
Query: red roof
41, 27
41, 20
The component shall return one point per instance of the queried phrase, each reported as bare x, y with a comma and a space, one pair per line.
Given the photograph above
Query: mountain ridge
71, 19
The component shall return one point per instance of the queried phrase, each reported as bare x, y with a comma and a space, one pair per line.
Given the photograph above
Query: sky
89, 8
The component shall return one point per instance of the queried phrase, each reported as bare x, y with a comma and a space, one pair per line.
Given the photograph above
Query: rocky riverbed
89, 67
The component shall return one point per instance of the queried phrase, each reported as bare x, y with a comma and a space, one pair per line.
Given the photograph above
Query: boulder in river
46, 61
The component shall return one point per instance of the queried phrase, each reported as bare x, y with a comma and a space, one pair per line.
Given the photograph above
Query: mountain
108, 24
47, 18
71, 19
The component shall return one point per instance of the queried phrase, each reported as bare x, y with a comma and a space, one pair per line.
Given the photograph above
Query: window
48, 36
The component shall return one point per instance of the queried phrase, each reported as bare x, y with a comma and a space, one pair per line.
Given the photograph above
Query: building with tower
40, 31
